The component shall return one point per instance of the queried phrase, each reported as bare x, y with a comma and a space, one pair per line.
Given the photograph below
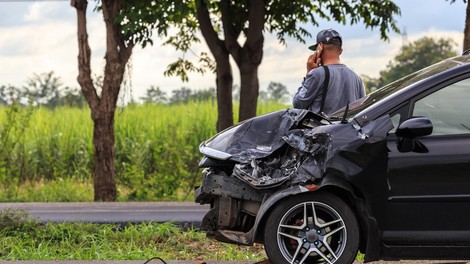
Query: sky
40, 36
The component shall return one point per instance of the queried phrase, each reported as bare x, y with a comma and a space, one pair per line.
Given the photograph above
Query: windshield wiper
343, 119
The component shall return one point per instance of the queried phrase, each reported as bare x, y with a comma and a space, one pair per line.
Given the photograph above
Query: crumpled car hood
255, 138
338, 146
313, 147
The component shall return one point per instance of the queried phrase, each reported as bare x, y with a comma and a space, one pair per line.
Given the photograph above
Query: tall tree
9, 94
277, 92
154, 95
466, 31
103, 106
226, 23
415, 56
224, 77
180, 95
44, 89
123, 31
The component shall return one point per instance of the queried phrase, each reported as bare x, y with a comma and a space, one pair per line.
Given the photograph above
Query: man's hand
313, 61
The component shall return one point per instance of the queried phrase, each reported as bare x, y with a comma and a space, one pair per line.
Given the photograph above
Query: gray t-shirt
344, 85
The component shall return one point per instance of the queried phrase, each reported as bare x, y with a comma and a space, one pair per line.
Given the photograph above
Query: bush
14, 221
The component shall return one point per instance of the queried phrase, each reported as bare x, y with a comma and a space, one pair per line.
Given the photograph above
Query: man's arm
306, 93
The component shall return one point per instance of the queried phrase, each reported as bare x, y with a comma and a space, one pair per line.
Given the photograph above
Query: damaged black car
388, 176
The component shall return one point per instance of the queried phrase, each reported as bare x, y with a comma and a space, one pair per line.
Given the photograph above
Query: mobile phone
319, 50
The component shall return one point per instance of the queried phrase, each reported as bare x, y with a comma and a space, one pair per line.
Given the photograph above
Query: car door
428, 198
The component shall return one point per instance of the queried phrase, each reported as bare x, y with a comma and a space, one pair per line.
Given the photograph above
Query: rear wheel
318, 228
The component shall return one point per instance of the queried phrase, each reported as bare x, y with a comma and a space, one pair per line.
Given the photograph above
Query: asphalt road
184, 213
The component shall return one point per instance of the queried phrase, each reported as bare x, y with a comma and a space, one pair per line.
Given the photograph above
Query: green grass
58, 190
47, 155
22, 238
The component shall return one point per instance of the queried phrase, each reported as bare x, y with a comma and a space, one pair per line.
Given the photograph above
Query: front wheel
315, 228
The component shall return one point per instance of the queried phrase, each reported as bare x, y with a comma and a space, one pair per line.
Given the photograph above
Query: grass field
46, 155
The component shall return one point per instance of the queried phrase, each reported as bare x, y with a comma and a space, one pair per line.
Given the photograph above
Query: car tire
314, 228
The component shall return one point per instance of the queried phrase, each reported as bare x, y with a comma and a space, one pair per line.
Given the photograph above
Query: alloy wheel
311, 232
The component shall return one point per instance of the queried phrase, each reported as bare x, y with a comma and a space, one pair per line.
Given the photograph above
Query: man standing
329, 88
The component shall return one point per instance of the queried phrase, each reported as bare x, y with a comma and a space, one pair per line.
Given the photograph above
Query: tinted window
448, 109
396, 86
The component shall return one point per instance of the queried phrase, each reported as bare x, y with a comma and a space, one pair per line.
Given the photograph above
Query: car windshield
374, 97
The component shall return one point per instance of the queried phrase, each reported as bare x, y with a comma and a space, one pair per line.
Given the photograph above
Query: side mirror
414, 127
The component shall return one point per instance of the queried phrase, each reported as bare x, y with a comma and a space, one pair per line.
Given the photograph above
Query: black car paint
418, 182
347, 153
387, 184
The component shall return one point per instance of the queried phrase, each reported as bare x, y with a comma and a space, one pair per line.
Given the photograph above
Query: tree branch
466, 36
254, 39
256, 12
229, 34
84, 54
117, 53
216, 46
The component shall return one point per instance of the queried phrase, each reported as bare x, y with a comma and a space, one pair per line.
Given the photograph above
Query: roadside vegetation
46, 153
23, 238
46, 156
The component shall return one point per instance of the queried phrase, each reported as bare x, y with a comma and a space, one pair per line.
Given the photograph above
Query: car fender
330, 183
268, 203
370, 244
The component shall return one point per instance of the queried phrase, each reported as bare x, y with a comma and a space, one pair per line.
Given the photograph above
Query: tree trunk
104, 169
103, 108
466, 37
223, 69
249, 90
249, 58
224, 92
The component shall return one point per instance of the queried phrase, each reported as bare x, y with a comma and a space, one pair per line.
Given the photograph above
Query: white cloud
44, 11
48, 42
34, 13
48, 46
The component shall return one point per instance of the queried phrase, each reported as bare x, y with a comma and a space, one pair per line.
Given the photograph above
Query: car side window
448, 109
398, 115
395, 121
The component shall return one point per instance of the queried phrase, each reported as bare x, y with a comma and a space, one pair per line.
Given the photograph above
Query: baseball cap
328, 36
